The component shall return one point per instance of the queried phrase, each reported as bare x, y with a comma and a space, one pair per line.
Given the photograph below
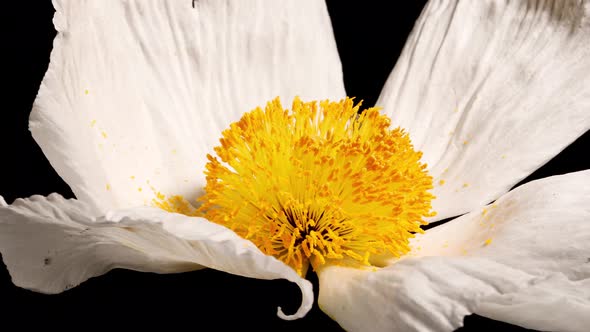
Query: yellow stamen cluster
318, 183
175, 204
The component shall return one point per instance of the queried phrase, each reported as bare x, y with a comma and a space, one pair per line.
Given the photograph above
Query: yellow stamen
175, 204
318, 184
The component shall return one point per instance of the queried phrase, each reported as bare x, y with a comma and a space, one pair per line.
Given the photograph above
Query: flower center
318, 184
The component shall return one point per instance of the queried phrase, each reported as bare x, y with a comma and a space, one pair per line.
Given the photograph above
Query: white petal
490, 91
137, 93
52, 244
534, 271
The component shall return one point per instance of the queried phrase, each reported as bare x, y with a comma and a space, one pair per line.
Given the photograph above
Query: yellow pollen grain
465, 185
92, 123
319, 183
174, 151
108, 187
484, 212
139, 189
441, 182
488, 241
503, 156
86, 92
132, 177
104, 134
465, 142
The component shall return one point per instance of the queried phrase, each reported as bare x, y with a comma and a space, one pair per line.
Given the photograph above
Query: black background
370, 37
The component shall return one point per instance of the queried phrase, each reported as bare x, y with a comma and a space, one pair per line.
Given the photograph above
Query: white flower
137, 93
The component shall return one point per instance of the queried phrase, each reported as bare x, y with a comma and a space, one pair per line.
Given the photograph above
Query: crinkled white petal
51, 244
490, 91
525, 260
138, 92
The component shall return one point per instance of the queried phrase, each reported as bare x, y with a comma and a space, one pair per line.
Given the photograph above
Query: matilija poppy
138, 94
